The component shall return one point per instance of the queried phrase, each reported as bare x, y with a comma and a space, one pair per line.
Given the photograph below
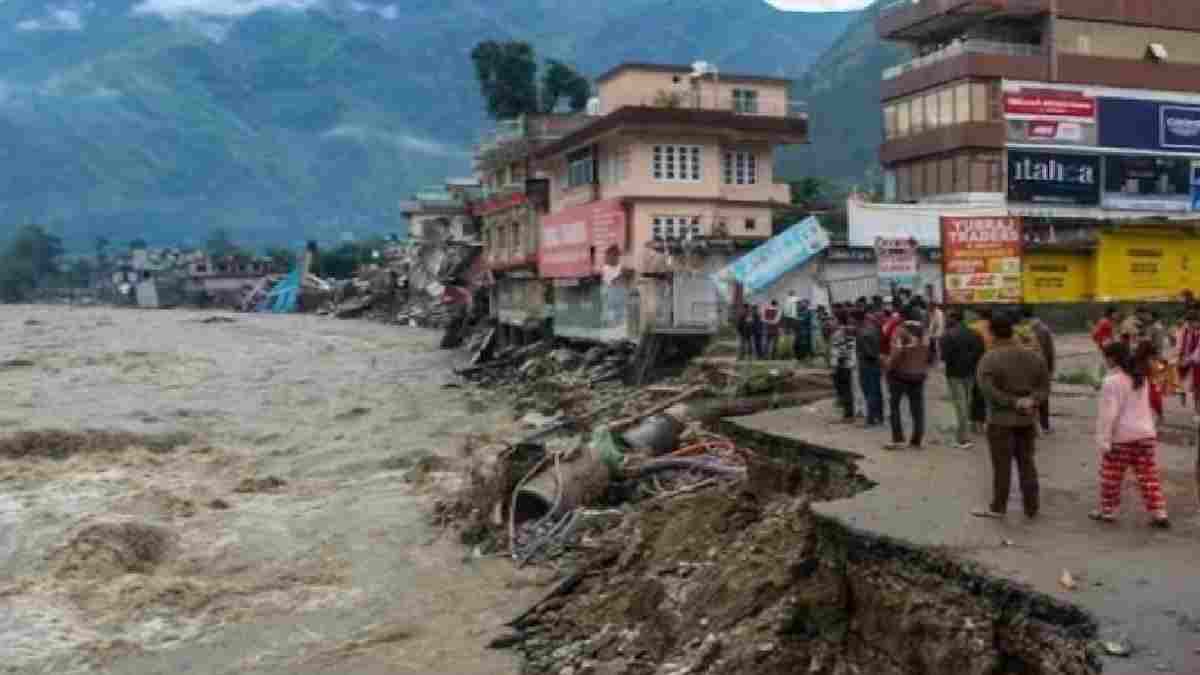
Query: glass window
676, 163
946, 106
932, 121
962, 103
946, 176
918, 117
979, 102
674, 227
902, 119
581, 168
740, 168
745, 101
889, 122
904, 183
962, 173
751, 224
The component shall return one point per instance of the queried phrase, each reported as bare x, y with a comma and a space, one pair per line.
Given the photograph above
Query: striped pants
1140, 456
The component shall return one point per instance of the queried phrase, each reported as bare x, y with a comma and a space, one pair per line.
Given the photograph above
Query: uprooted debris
255, 485
55, 444
106, 550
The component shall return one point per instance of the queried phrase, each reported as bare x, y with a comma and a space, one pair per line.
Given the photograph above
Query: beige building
677, 160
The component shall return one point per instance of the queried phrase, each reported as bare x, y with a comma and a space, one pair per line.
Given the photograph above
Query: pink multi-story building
672, 176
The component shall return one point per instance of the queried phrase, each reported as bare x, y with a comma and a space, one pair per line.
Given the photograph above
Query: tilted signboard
576, 242
1052, 178
982, 260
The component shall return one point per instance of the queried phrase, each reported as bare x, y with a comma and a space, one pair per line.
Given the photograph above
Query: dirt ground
255, 509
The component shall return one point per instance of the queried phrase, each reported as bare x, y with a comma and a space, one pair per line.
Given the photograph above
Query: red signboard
1051, 104
499, 204
574, 241
981, 260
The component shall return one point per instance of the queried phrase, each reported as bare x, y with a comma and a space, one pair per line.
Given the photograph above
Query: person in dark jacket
745, 333
962, 348
907, 369
870, 365
758, 332
1015, 381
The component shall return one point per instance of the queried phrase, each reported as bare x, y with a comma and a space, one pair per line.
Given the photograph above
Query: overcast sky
817, 5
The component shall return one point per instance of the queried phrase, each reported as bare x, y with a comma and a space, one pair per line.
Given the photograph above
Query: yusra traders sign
982, 260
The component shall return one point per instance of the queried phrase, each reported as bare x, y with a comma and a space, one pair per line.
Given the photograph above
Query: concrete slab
1141, 584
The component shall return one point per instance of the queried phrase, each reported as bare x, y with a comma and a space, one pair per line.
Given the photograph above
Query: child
1128, 438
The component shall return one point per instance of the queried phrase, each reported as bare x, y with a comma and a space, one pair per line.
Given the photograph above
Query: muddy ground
264, 508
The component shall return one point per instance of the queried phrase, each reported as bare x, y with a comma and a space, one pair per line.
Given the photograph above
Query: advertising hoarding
982, 260
782, 253
575, 241
1049, 104
1149, 125
1056, 277
1053, 178
898, 263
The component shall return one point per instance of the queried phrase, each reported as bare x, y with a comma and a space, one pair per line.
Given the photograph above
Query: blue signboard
1195, 187
1053, 178
1180, 127
1149, 125
781, 254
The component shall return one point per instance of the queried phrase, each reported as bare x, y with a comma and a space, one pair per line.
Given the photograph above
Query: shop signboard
575, 241
898, 263
981, 260
1052, 132
779, 255
1147, 183
1195, 185
1149, 125
1053, 178
1049, 104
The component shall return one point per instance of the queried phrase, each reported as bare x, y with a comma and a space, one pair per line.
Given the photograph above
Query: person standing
1127, 437
745, 331
907, 369
983, 328
962, 348
803, 346
870, 365
843, 352
1189, 358
1043, 342
1015, 381
758, 332
1104, 333
773, 327
937, 330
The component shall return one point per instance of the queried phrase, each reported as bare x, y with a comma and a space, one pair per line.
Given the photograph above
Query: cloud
57, 18
173, 9
818, 5
408, 142
389, 12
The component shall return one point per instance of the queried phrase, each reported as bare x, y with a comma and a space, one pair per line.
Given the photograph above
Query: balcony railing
964, 47
767, 107
530, 128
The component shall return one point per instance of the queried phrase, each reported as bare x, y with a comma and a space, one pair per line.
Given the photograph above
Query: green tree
102, 244
138, 243
81, 273
220, 243
561, 81
507, 74
811, 189
30, 259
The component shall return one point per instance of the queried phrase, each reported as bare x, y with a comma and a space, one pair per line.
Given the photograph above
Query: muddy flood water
258, 510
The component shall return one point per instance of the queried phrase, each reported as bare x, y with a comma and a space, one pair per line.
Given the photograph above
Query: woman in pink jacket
1127, 436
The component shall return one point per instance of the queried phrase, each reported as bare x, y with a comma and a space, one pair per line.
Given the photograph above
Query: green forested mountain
287, 119
842, 91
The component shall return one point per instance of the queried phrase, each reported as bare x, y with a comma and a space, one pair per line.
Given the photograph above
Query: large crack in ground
748, 580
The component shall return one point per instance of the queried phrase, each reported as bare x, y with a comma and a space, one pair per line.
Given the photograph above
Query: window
902, 119
946, 106
745, 101
918, 117
677, 163
675, 227
201, 269
979, 102
740, 168
962, 103
751, 224
889, 122
581, 168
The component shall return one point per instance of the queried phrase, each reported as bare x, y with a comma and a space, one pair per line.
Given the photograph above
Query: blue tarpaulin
779, 255
285, 297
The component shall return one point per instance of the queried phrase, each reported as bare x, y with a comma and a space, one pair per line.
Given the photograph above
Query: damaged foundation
740, 576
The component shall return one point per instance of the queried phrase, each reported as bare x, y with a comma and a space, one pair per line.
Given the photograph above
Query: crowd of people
999, 368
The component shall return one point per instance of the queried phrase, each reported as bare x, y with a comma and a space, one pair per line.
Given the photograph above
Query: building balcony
970, 59
984, 135
513, 139
918, 20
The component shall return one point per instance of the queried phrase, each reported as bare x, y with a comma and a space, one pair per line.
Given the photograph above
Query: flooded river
279, 531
